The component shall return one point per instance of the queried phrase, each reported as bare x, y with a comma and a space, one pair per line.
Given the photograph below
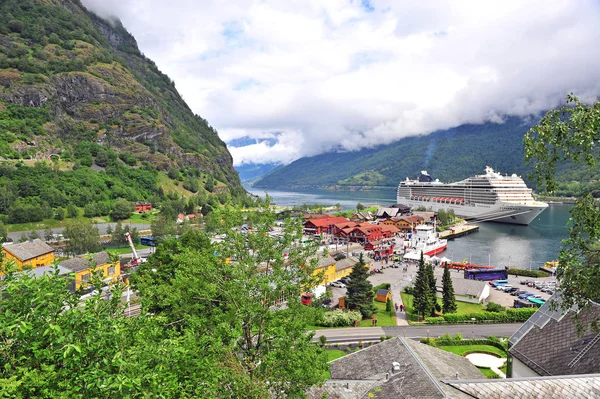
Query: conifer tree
448, 299
359, 290
432, 289
422, 301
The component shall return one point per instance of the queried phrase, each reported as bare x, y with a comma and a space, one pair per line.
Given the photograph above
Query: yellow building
334, 270
84, 267
34, 253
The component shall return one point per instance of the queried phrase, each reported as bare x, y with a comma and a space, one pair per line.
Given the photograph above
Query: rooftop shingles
549, 350
571, 387
29, 249
81, 263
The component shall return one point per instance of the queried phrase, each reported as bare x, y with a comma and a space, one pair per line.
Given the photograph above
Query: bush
340, 318
323, 340
409, 289
510, 316
494, 307
435, 320
527, 273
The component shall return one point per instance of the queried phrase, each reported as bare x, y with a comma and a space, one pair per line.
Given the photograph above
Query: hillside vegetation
78, 95
448, 155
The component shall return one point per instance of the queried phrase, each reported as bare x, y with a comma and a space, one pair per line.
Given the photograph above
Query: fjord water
501, 244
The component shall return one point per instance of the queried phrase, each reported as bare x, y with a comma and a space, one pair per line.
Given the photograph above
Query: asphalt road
374, 333
102, 227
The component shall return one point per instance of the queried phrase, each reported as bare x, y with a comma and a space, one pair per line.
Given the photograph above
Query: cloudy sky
344, 74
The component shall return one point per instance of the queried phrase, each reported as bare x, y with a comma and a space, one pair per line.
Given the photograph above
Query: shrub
409, 289
340, 318
527, 273
494, 307
323, 340
382, 338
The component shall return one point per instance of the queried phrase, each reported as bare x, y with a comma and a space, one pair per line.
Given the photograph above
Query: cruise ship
487, 197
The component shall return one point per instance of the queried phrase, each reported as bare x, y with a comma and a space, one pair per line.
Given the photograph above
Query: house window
85, 277
111, 270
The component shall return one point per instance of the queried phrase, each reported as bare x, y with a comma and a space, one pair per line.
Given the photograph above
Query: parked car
525, 282
338, 284
518, 292
345, 280
525, 295
503, 286
511, 290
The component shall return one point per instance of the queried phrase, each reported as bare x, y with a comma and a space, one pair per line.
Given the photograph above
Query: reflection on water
503, 244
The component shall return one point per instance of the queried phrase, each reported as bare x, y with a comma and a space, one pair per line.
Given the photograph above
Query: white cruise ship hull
499, 212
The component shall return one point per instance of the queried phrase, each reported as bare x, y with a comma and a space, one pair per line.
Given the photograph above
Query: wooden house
142, 207
322, 225
383, 295
83, 268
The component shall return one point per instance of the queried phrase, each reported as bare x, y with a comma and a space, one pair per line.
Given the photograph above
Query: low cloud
340, 75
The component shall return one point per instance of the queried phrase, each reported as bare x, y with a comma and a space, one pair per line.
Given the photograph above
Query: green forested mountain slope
449, 155
76, 90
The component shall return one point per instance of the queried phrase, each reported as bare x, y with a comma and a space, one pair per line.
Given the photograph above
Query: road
375, 333
102, 227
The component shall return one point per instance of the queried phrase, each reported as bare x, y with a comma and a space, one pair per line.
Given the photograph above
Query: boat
482, 198
425, 240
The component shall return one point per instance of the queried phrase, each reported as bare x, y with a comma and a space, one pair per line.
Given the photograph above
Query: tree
122, 209
448, 298
210, 184
422, 301
432, 289
162, 228
118, 234
59, 214
81, 237
360, 207
51, 354
571, 134
48, 235
359, 290
237, 303
3, 233
33, 234
72, 211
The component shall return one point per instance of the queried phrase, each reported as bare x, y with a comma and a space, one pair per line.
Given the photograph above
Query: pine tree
432, 289
422, 300
359, 290
449, 301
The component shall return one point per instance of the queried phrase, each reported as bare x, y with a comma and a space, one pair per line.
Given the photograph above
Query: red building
365, 233
381, 249
389, 230
142, 207
322, 225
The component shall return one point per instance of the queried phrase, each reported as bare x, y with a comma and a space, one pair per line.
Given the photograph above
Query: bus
486, 274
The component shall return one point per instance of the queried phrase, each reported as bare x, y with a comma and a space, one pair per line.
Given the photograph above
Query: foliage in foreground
216, 329
570, 134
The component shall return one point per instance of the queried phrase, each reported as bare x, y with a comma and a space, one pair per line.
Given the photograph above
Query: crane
136, 259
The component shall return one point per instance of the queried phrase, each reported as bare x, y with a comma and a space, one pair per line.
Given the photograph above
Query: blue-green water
503, 244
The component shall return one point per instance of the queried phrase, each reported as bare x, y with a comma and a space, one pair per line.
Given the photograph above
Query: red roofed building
142, 207
322, 225
389, 231
365, 233
339, 228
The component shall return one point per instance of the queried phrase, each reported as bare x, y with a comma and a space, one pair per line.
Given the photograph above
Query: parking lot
399, 279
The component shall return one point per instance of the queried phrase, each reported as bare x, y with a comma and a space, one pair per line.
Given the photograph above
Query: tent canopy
415, 256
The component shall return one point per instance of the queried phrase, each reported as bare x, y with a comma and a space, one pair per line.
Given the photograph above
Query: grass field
383, 318
462, 307
463, 350
126, 250
488, 372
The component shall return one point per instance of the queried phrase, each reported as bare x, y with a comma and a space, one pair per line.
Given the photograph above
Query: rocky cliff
68, 76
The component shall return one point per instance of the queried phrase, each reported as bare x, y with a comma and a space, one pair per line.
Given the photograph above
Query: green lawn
126, 250
462, 307
462, 350
383, 318
488, 372
43, 225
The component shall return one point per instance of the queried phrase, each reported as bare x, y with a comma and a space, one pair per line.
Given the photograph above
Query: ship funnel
423, 172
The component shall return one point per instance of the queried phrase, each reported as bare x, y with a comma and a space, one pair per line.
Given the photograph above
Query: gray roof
414, 380
29, 249
551, 344
382, 291
463, 286
82, 262
345, 263
574, 386
46, 270
323, 260
391, 212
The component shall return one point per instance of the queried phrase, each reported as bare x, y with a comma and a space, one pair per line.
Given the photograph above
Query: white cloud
335, 74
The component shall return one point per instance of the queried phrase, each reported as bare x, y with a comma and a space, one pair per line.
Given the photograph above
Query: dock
458, 231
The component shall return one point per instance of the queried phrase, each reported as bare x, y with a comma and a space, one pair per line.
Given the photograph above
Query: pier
458, 231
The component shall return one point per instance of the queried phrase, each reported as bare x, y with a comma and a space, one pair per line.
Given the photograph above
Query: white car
502, 287
338, 284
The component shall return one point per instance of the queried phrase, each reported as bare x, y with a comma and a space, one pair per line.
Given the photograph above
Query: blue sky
353, 73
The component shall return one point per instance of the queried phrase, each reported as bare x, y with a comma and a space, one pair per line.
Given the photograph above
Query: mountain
250, 173
76, 90
449, 155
